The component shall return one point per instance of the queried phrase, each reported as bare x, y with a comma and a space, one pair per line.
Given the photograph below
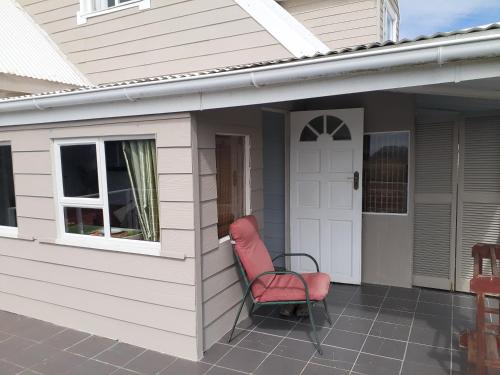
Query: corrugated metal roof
26, 51
371, 46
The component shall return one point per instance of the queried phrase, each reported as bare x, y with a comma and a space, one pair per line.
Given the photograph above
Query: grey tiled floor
376, 330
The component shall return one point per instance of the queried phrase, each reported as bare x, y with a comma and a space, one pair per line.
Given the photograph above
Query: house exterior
381, 160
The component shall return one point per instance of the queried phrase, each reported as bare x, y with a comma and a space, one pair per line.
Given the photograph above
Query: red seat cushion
291, 288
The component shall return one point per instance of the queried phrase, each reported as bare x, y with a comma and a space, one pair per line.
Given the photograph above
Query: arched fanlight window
330, 125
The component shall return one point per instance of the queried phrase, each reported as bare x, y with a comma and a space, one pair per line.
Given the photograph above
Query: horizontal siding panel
207, 163
173, 132
348, 34
208, 213
177, 215
176, 187
218, 282
208, 187
345, 27
313, 11
220, 326
37, 162
35, 207
341, 18
179, 241
217, 260
35, 228
175, 160
34, 185
133, 288
222, 302
209, 239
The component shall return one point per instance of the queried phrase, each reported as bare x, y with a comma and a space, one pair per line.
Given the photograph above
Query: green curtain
140, 156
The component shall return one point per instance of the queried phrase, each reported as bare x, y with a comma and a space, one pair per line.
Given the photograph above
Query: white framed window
390, 22
233, 181
91, 8
107, 193
8, 217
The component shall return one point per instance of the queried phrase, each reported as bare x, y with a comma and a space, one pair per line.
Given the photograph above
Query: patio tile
336, 306
335, 295
434, 309
9, 368
377, 290
250, 322
215, 353
60, 363
395, 316
264, 310
260, 341
4, 336
295, 349
431, 336
411, 368
428, 356
150, 362
464, 313
13, 345
280, 366
349, 323
435, 296
432, 321
28, 372
238, 335
123, 371
400, 304
320, 317
390, 331
384, 347
464, 300
91, 346
120, 354
373, 365
367, 300
275, 327
182, 366
359, 311
66, 338
241, 359
304, 332
221, 371
345, 288
32, 355
403, 293
344, 339
92, 367
338, 358
38, 330
314, 369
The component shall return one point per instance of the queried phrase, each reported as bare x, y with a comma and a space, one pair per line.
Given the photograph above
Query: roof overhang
430, 62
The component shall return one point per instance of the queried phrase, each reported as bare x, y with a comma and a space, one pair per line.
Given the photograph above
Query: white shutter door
435, 203
479, 192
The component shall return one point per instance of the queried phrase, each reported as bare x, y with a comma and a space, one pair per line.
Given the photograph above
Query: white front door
326, 161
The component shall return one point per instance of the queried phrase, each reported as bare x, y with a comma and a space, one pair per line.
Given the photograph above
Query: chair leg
326, 313
252, 308
238, 315
315, 332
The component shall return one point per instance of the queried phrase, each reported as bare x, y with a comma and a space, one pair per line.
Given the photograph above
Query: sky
423, 17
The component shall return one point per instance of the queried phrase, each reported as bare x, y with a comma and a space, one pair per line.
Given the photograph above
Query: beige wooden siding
338, 23
222, 289
143, 300
173, 36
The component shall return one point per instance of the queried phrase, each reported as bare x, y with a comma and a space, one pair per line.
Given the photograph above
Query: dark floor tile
280, 366
400, 304
275, 327
10, 322
32, 355
215, 353
13, 345
384, 347
377, 290
432, 321
238, 335
28, 372
278, 313
464, 313
184, 367
411, 368
60, 363
464, 300
260, 341
460, 325
314, 369
390, 331
304, 332
434, 309
150, 362
91, 367
320, 318
123, 371
436, 296
4, 336
241, 359
250, 322
395, 316
38, 330
221, 371
360, 311
344, 339
336, 306
428, 356
349, 323
264, 310
374, 365
66, 338
403, 293
9, 368
367, 300
431, 336
295, 349
91, 346
344, 288
338, 358
120, 354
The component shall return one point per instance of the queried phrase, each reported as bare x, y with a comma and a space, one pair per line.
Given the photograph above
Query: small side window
8, 217
390, 22
91, 8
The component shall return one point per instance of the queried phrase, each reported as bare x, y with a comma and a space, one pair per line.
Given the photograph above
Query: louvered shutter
479, 192
435, 203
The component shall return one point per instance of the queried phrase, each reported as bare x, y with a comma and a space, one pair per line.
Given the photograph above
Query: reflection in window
7, 196
330, 125
230, 161
385, 173
87, 221
342, 134
79, 170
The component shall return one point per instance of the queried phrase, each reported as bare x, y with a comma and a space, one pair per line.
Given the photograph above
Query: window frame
407, 213
86, 9
7, 231
246, 176
389, 11
106, 242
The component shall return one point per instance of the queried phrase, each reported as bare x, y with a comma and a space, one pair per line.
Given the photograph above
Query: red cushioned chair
268, 286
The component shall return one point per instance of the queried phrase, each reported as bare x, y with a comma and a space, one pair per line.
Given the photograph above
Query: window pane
230, 160
385, 173
79, 171
7, 196
88, 221
132, 194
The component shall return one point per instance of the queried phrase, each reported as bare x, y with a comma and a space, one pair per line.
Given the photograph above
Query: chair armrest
298, 255
296, 274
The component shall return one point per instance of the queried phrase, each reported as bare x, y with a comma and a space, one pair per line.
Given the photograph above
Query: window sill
9, 232
110, 244
81, 17
224, 239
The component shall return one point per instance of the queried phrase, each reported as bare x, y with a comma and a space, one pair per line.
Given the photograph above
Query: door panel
326, 148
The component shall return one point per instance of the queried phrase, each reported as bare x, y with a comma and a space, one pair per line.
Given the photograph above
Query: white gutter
437, 52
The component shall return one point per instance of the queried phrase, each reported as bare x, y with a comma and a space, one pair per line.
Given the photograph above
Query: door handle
356, 180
